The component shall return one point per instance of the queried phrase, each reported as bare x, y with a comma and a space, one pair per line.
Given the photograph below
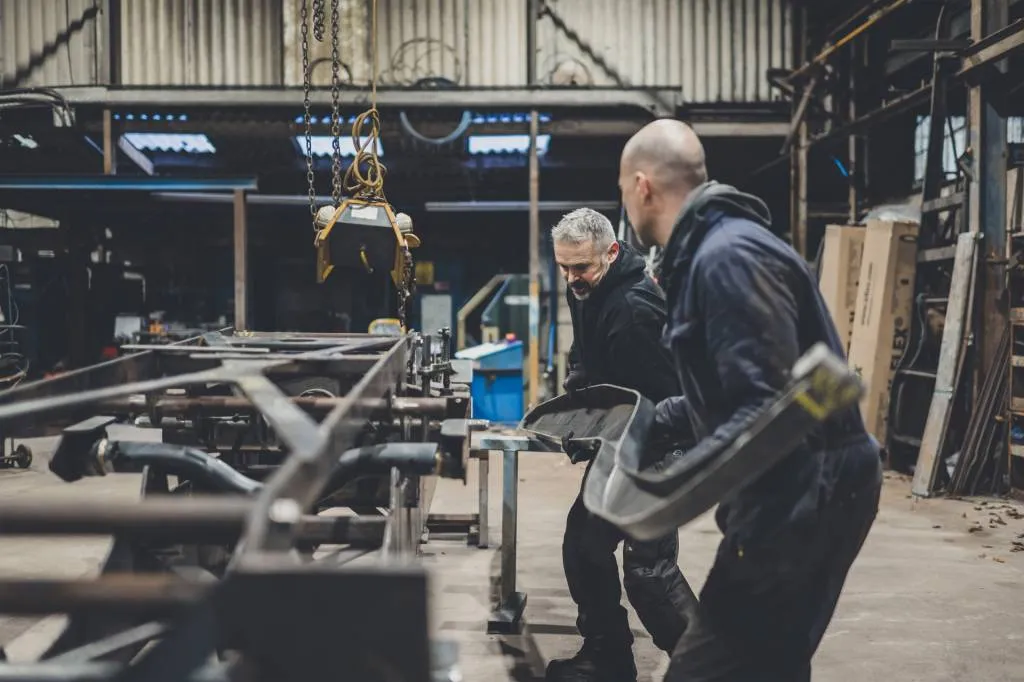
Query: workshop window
952, 146
955, 144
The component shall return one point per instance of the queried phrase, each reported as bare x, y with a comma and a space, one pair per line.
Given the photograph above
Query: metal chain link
408, 287
335, 106
306, 86
318, 20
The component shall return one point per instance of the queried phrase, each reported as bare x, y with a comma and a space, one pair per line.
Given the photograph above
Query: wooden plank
943, 203
950, 362
939, 253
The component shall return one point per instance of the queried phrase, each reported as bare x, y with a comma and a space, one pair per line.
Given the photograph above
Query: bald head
661, 165
669, 152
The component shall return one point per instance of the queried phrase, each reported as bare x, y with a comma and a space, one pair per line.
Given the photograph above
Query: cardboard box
840, 273
882, 319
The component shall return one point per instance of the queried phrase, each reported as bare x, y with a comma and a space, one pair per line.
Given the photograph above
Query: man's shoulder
739, 242
640, 296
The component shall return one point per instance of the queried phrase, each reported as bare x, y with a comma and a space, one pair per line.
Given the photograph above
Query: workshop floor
936, 595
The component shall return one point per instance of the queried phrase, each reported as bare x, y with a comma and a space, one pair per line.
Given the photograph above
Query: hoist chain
306, 85
335, 106
318, 20
408, 286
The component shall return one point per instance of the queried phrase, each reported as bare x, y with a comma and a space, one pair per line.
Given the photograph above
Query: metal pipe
132, 593
219, 405
46, 671
241, 253
72, 462
193, 520
822, 56
518, 206
472, 304
109, 149
534, 348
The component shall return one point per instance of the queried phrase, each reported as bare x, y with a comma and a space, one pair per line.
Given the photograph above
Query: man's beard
582, 293
582, 290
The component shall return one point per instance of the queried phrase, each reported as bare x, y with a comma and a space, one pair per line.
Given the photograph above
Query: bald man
742, 307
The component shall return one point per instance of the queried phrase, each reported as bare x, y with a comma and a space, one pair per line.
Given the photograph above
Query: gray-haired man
617, 317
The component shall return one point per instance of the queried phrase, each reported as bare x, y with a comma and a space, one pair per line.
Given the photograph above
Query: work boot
595, 662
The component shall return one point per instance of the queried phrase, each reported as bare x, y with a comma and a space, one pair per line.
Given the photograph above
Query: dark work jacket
617, 331
743, 306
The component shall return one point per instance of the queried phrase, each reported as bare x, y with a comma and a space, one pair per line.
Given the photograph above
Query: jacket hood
708, 203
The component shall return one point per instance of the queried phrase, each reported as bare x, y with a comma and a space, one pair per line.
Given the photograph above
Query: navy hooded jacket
743, 307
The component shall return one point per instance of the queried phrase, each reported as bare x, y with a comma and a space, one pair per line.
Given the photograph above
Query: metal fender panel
647, 502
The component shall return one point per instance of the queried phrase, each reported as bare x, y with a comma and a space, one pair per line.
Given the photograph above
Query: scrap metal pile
278, 514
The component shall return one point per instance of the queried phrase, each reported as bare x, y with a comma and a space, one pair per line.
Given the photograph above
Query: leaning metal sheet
646, 502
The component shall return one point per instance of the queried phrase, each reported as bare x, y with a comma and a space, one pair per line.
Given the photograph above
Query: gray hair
584, 225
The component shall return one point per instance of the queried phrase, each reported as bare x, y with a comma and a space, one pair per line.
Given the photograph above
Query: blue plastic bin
497, 388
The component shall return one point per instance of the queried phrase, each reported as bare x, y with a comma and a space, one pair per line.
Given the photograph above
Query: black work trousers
763, 614
654, 585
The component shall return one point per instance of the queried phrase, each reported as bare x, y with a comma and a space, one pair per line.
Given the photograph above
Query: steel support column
987, 198
534, 231
534, 348
241, 252
855, 148
798, 153
109, 147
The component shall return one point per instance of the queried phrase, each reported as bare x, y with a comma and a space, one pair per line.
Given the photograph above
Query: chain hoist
307, 118
369, 234
318, 20
335, 106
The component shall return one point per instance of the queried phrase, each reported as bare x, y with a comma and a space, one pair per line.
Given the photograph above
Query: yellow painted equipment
367, 235
386, 326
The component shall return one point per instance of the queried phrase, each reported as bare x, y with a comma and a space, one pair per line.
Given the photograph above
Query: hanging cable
367, 184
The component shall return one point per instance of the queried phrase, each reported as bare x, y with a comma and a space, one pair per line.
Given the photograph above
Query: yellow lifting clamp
364, 234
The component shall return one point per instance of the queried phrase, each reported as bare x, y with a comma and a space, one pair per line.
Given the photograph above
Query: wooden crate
882, 319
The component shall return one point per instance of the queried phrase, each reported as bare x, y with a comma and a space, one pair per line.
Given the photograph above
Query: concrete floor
936, 594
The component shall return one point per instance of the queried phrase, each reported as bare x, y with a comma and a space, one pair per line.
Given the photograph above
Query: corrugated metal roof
31, 50
714, 50
202, 42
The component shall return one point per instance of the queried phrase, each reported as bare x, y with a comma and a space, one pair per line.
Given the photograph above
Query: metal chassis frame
271, 526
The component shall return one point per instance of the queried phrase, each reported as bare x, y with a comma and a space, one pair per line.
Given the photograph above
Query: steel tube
132, 593
87, 672
177, 407
194, 519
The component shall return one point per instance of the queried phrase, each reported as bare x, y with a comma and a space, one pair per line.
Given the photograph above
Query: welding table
506, 618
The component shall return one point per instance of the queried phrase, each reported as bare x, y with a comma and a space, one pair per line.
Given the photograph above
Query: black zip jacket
617, 331
743, 306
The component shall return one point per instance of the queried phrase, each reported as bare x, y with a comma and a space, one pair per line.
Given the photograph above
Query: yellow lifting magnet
363, 234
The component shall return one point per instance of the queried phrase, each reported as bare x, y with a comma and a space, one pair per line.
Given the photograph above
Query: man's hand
579, 451
574, 381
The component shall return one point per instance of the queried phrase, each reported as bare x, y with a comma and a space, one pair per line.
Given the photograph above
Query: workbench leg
507, 618
483, 483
